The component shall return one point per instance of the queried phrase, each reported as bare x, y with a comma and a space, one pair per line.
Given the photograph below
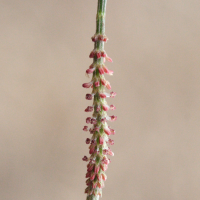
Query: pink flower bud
88, 96
105, 39
90, 71
103, 54
98, 177
88, 120
112, 107
107, 131
101, 71
88, 174
113, 118
92, 150
90, 168
87, 85
111, 142
96, 169
104, 167
108, 86
100, 184
85, 128
97, 84
85, 158
92, 176
113, 94
92, 54
105, 107
89, 109
102, 95
101, 140
87, 141
103, 82
98, 55
104, 177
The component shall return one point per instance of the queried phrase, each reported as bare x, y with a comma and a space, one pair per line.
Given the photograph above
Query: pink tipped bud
108, 86
112, 107
102, 95
98, 55
103, 54
85, 158
96, 169
88, 174
105, 107
107, 131
90, 167
105, 69
89, 109
89, 71
97, 84
85, 128
105, 39
101, 71
104, 167
113, 118
98, 108
101, 140
93, 121
100, 184
87, 85
111, 142
88, 96
113, 94
92, 176
98, 177
88, 120
103, 82
87, 141
92, 54
104, 177
109, 59
92, 150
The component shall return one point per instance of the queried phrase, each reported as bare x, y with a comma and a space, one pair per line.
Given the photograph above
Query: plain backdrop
44, 52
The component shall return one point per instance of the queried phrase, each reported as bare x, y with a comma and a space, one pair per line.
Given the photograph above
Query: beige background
44, 48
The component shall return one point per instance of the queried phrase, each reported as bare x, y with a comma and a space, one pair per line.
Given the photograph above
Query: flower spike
99, 142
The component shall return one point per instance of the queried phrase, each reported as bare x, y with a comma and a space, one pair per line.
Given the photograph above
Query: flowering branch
98, 149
